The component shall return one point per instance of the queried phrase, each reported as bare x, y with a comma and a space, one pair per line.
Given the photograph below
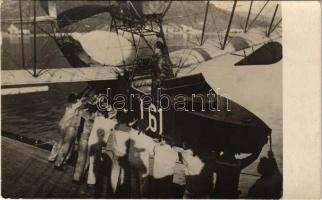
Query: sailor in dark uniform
228, 170
269, 185
161, 67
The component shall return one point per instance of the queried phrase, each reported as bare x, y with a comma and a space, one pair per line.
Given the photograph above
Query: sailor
88, 115
199, 176
120, 172
161, 66
140, 150
70, 119
68, 128
102, 166
106, 121
269, 185
164, 163
228, 170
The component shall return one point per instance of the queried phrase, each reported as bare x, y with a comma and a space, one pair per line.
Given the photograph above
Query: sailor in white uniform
68, 126
164, 163
88, 116
107, 123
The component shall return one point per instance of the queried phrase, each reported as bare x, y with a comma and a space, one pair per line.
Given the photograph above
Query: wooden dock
27, 174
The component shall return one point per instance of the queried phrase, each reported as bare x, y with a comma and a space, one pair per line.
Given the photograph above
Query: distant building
178, 29
236, 30
13, 30
185, 28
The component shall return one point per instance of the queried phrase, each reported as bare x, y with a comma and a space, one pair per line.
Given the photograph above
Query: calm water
36, 115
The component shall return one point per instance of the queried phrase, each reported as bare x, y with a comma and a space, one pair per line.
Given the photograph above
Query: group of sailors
121, 161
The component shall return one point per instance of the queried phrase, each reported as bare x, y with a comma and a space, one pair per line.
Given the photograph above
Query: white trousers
93, 139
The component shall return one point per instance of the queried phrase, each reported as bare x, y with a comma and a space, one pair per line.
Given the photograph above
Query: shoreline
7, 35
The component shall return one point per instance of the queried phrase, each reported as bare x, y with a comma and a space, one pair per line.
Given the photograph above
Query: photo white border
302, 99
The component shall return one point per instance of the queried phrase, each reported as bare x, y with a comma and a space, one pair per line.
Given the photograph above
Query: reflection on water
36, 115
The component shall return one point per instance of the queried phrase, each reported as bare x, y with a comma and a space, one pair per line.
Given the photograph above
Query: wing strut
204, 23
22, 36
276, 25
229, 24
166, 10
270, 26
250, 9
35, 42
259, 13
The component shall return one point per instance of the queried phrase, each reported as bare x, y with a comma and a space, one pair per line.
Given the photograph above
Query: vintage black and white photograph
141, 99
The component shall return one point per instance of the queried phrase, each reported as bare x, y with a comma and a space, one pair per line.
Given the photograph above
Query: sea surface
36, 115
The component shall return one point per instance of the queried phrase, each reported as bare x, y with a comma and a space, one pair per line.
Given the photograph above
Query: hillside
190, 13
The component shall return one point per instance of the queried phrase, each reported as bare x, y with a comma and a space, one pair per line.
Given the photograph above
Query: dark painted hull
237, 130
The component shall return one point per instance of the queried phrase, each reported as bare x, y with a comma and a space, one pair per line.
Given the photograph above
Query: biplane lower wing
23, 90
20, 78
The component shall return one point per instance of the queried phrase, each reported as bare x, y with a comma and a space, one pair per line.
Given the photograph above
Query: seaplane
125, 48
